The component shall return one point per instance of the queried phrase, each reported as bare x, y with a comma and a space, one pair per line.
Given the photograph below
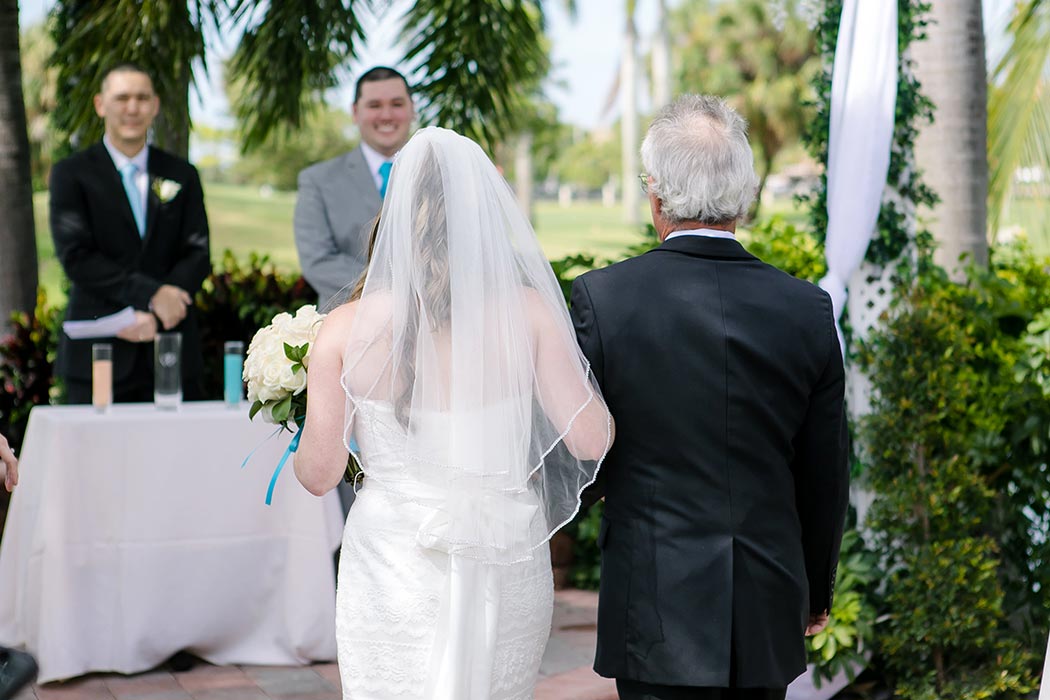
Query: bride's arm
321, 458
564, 388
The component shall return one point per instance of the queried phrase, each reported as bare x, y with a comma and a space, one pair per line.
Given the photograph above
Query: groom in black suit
726, 490
130, 229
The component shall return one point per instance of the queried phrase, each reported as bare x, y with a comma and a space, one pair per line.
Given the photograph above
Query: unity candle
233, 369
101, 376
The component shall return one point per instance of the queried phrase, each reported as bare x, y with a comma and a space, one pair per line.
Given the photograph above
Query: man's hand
817, 623
170, 304
10, 464
143, 330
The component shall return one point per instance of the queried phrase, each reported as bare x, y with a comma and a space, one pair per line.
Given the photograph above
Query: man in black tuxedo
726, 490
130, 229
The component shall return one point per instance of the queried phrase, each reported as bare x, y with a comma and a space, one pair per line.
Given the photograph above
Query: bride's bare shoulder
538, 307
341, 316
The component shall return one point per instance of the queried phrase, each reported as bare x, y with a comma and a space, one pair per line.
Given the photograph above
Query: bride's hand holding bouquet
276, 364
275, 370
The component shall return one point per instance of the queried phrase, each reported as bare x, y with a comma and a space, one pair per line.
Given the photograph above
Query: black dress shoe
181, 661
17, 670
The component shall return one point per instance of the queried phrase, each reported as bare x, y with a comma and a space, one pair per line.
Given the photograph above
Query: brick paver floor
565, 673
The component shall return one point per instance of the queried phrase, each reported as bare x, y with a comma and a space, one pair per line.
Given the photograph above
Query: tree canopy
764, 70
471, 63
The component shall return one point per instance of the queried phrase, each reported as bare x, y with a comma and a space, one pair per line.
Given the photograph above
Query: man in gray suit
339, 198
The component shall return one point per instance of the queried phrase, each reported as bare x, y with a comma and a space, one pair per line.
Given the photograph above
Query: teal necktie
384, 172
127, 176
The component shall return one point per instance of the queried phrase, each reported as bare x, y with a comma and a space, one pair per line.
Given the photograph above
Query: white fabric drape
863, 97
1044, 688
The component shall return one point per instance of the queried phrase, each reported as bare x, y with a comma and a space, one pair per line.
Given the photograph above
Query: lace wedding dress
479, 424
415, 622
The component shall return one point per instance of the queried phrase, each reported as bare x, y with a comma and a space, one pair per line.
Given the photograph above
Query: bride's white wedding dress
417, 622
478, 423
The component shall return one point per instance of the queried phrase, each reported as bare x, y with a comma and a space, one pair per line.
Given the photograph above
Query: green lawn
244, 221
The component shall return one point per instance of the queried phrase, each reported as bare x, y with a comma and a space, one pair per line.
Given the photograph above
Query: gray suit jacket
337, 201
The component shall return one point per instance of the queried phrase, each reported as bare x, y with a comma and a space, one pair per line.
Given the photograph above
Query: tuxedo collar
140, 159
360, 174
706, 247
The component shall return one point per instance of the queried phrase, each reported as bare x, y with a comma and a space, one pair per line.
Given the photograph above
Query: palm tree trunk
523, 173
952, 151
629, 120
171, 129
18, 261
661, 58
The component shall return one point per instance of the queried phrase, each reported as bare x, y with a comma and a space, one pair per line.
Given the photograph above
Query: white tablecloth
135, 534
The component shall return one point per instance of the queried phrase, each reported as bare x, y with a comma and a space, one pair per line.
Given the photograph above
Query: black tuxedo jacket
726, 488
111, 267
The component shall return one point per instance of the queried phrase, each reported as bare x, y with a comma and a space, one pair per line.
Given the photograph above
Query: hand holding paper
102, 327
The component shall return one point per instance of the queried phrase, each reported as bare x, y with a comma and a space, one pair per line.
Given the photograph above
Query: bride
455, 368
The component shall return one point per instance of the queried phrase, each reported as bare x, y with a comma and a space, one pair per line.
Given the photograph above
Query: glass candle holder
232, 371
167, 371
101, 376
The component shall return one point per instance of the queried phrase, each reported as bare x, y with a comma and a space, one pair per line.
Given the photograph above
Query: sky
585, 54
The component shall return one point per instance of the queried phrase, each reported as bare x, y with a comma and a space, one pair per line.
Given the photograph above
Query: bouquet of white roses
275, 369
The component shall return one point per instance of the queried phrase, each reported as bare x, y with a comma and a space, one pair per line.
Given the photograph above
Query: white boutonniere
166, 190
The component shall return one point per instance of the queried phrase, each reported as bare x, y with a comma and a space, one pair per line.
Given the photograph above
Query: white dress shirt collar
140, 159
708, 232
374, 159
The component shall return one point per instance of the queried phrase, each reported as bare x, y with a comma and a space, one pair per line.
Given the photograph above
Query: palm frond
91, 37
290, 51
1019, 106
475, 62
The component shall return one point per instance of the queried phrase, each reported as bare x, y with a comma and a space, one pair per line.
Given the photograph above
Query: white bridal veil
466, 390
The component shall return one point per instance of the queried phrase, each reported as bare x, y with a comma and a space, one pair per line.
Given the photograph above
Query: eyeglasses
643, 180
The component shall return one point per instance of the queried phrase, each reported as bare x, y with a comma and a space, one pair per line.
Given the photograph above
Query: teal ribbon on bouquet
293, 446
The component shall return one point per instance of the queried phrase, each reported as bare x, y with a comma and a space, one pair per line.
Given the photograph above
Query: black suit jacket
726, 488
111, 267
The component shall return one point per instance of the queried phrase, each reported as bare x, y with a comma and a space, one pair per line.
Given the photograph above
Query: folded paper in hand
102, 327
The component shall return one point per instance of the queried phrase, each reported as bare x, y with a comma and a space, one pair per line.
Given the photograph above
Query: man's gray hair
700, 162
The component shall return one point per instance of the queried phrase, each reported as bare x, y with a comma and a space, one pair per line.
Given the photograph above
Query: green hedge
957, 446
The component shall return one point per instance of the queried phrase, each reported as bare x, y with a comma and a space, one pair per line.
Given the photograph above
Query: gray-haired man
726, 490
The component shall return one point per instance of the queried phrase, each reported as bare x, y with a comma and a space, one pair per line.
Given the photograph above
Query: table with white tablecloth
136, 533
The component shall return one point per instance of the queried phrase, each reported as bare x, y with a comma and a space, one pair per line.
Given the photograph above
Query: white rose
280, 324
268, 392
294, 382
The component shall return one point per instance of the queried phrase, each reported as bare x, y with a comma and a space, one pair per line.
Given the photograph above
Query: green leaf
829, 649
290, 52
281, 409
477, 62
1019, 109
256, 407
